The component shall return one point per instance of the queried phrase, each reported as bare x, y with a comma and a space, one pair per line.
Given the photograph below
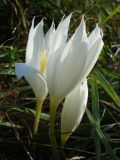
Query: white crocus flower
37, 54
73, 110
73, 62
34, 67
57, 64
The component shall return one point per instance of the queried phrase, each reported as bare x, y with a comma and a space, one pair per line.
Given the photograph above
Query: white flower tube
73, 110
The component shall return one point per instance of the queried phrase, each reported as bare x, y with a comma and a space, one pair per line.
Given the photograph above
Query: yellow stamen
43, 60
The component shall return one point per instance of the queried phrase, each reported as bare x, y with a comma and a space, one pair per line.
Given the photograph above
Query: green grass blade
5, 107
111, 15
111, 74
8, 124
101, 135
107, 87
96, 113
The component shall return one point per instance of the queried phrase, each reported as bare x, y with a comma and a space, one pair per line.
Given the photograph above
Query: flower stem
64, 138
53, 108
37, 115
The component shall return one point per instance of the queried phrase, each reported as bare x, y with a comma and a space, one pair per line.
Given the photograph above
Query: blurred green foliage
17, 102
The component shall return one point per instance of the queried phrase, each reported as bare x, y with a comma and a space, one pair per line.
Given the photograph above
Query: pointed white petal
79, 36
95, 34
92, 57
49, 38
59, 42
61, 34
80, 33
34, 78
74, 108
29, 48
35, 45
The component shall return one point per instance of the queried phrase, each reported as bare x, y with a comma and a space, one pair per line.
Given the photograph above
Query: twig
110, 105
18, 137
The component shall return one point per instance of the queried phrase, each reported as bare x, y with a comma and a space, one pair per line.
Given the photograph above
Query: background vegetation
17, 102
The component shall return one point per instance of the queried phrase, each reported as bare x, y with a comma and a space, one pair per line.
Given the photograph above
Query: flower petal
34, 78
29, 48
74, 108
80, 33
35, 45
49, 38
77, 37
61, 34
93, 55
94, 35
59, 42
